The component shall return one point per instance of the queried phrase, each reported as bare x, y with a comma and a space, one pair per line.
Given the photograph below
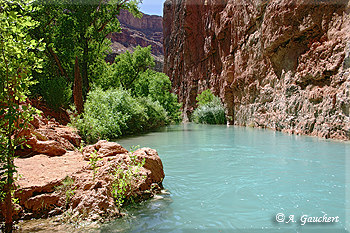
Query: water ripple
235, 178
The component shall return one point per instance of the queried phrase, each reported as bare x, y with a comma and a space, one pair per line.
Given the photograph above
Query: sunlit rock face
71, 184
278, 64
144, 32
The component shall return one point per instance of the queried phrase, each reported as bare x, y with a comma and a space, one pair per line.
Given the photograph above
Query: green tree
210, 109
126, 70
131, 66
17, 59
75, 32
132, 72
157, 87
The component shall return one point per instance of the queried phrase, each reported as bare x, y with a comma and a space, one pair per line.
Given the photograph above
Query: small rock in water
165, 192
157, 197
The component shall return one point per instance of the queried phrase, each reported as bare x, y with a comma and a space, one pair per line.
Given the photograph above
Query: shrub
109, 114
55, 91
131, 71
125, 179
156, 114
212, 112
113, 113
205, 97
157, 87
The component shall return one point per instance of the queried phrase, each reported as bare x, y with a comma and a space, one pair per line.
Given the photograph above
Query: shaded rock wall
281, 64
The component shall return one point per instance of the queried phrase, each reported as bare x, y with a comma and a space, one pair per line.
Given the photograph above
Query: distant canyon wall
279, 64
144, 32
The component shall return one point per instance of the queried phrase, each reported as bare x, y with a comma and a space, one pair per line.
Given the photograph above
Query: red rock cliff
144, 32
278, 64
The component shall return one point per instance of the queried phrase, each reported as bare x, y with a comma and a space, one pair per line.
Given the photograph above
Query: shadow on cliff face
277, 64
308, 24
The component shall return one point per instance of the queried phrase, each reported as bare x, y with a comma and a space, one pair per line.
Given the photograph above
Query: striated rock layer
144, 32
278, 64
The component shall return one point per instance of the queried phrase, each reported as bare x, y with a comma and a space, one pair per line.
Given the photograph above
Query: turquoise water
236, 179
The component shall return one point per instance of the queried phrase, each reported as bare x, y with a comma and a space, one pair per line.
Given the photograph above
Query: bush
131, 72
205, 97
55, 91
210, 110
156, 114
113, 113
157, 87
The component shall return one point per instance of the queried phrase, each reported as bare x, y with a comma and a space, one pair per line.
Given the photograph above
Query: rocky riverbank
54, 177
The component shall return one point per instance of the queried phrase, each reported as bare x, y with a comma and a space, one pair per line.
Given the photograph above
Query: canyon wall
279, 64
144, 32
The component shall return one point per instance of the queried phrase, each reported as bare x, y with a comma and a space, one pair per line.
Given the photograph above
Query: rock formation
69, 184
48, 137
144, 32
54, 177
279, 64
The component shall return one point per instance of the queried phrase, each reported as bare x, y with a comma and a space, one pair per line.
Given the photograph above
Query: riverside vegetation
129, 105
124, 179
210, 109
54, 51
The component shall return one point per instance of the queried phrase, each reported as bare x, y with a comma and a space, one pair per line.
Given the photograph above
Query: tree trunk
9, 207
58, 63
78, 88
9, 183
84, 68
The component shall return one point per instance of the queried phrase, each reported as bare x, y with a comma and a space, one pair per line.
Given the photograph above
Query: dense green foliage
48, 48
17, 60
126, 69
76, 30
114, 112
128, 98
56, 91
210, 109
157, 87
205, 97
76, 45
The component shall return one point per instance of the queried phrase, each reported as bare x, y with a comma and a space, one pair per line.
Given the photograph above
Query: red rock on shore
53, 185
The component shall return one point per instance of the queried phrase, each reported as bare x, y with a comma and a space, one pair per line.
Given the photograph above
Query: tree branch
109, 20
58, 62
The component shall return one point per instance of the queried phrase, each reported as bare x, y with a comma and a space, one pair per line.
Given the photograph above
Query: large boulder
52, 185
153, 165
103, 148
49, 147
48, 137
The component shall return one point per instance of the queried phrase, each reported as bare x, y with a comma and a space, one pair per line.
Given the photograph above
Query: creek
237, 179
